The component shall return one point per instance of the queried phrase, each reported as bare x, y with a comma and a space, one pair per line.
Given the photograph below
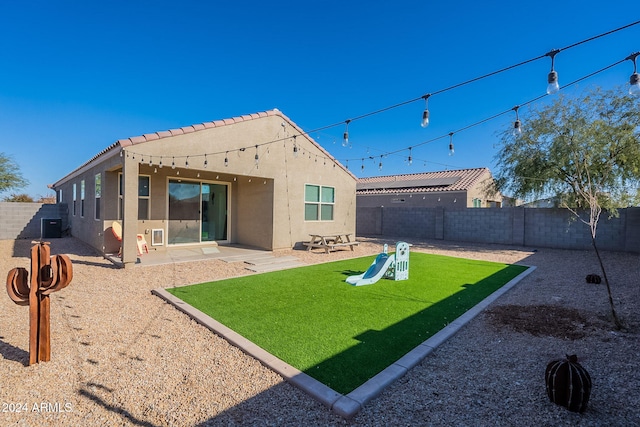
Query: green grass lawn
340, 334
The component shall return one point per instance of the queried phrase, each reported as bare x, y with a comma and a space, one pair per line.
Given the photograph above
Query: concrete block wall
479, 225
404, 221
24, 220
552, 228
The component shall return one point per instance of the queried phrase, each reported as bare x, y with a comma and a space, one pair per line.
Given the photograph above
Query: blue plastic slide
375, 272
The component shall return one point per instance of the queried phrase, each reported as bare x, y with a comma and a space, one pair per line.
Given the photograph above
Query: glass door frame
199, 182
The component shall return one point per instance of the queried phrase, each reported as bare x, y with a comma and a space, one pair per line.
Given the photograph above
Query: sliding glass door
197, 212
214, 212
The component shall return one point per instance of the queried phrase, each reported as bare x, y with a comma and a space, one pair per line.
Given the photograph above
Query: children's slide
375, 272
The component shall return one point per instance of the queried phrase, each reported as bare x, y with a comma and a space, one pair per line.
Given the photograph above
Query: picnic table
329, 242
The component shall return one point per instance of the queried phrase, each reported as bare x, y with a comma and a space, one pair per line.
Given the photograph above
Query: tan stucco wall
267, 199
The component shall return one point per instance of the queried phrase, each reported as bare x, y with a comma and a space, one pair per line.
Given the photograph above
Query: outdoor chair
116, 228
142, 244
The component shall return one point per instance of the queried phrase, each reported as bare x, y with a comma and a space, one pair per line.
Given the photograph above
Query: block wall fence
24, 220
551, 228
531, 227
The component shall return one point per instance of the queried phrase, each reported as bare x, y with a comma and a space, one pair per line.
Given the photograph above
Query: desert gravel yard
121, 356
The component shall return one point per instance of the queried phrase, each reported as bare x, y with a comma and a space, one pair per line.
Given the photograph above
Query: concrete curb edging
348, 405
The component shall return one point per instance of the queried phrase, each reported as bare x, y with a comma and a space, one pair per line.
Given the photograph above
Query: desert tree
10, 176
584, 151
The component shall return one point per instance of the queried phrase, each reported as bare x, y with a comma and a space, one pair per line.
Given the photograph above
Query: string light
362, 167
410, 159
206, 162
425, 113
380, 164
257, 159
345, 136
451, 151
173, 163
517, 126
552, 78
160, 164
634, 80
186, 163
295, 147
150, 161
226, 159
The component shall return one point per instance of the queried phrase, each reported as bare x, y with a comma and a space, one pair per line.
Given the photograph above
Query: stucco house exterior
256, 180
464, 188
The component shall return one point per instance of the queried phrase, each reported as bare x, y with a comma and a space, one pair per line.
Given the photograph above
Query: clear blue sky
77, 76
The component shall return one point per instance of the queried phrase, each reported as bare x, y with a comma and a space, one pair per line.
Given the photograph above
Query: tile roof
121, 143
453, 180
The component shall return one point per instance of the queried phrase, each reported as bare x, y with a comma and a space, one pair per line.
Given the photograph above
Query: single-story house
464, 188
256, 180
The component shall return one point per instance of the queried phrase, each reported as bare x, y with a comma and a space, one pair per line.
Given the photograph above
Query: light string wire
509, 111
400, 104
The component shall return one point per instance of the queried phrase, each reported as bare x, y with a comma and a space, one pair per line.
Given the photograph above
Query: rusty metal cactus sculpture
48, 274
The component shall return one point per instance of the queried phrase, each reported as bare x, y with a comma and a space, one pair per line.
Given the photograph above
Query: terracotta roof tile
126, 142
137, 139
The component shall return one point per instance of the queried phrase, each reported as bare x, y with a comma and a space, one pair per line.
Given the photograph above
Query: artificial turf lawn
339, 334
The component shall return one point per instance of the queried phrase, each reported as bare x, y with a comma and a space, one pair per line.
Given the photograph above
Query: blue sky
77, 75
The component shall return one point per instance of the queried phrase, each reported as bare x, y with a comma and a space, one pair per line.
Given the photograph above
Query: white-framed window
75, 196
319, 202
82, 198
144, 195
98, 194
477, 203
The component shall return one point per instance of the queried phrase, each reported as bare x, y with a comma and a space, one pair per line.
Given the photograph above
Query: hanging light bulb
150, 161
226, 159
634, 80
552, 78
173, 163
517, 126
362, 167
257, 159
186, 163
425, 113
160, 164
206, 162
295, 147
451, 150
410, 159
380, 164
345, 136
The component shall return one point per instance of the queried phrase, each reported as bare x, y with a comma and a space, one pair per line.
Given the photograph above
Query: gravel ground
121, 356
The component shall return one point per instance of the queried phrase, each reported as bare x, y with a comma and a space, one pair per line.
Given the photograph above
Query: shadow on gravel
130, 419
11, 352
65, 245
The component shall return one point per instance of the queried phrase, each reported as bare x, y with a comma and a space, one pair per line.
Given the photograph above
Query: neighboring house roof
126, 142
426, 182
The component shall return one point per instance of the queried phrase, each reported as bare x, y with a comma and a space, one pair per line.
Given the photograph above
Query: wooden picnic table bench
329, 242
